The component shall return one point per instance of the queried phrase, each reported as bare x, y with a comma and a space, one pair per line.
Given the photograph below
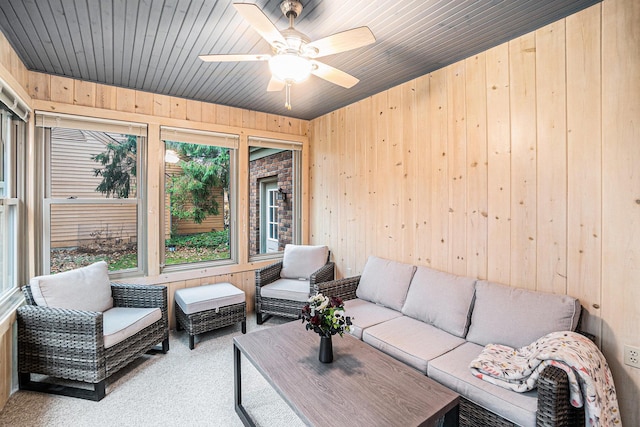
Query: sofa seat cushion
208, 297
86, 288
289, 289
120, 323
452, 371
301, 261
517, 317
410, 341
365, 314
385, 282
440, 299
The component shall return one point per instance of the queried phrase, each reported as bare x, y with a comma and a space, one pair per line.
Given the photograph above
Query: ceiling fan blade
275, 85
260, 22
341, 42
333, 75
234, 58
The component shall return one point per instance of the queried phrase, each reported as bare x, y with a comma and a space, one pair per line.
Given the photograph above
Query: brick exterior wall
279, 166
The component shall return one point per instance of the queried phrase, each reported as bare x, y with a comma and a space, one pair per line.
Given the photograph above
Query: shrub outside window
199, 197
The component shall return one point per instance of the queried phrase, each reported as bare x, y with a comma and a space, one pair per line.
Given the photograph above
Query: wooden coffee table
362, 387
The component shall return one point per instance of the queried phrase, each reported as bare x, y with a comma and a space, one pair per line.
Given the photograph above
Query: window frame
214, 139
296, 148
44, 124
12, 157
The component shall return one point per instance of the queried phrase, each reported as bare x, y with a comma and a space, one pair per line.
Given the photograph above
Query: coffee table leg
451, 418
237, 376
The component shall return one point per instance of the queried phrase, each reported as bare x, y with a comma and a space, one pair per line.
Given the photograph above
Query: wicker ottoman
205, 308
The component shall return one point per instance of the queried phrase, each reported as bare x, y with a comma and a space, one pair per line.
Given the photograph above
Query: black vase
326, 350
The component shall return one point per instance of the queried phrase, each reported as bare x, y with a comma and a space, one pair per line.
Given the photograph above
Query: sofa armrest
268, 274
554, 406
342, 288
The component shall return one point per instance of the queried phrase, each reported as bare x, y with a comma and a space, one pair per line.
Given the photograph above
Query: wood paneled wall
518, 165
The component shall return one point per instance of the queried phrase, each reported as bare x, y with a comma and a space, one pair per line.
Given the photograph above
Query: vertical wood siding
518, 165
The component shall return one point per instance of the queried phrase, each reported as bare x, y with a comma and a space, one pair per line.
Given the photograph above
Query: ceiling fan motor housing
291, 8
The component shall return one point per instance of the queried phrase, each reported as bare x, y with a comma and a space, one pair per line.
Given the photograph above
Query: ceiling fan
294, 54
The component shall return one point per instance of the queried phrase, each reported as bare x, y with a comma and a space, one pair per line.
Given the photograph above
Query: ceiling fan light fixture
291, 68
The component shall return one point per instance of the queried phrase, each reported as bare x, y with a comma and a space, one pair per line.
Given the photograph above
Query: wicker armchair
554, 407
69, 344
267, 306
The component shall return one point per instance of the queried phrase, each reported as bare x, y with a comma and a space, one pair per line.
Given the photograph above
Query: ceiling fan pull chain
287, 99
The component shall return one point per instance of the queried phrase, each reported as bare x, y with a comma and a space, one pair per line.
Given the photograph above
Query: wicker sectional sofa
438, 323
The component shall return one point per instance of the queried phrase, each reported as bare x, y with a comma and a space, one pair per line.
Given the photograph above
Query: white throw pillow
86, 288
301, 261
385, 282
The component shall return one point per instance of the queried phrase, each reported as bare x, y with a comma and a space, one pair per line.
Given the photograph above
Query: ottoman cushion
208, 297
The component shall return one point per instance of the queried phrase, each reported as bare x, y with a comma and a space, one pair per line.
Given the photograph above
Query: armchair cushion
301, 261
120, 323
385, 282
86, 288
287, 289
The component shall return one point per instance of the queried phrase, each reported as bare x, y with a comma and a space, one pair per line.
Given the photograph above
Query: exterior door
269, 217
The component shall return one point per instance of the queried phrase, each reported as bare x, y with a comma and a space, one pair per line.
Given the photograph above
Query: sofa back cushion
385, 282
86, 288
301, 261
440, 299
517, 317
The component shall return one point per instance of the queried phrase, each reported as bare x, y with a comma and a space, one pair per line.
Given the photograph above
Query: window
274, 195
11, 133
199, 213
93, 193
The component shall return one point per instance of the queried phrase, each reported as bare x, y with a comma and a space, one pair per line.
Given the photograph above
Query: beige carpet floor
181, 388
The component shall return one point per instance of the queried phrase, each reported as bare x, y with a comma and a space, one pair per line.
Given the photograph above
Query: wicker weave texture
69, 344
343, 288
554, 408
208, 320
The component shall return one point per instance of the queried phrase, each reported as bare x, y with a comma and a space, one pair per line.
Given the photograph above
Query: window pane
82, 234
197, 203
92, 200
91, 164
9, 243
272, 199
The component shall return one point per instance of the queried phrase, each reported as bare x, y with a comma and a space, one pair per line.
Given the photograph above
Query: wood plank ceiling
153, 45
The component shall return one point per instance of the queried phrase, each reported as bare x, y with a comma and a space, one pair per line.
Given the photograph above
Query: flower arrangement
325, 315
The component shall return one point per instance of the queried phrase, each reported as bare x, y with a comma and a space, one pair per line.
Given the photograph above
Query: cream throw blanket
590, 380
